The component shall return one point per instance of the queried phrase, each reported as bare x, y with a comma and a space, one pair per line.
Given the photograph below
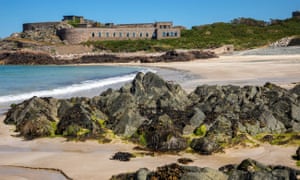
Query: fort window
171, 34
128, 35
168, 34
141, 34
99, 34
160, 26
154, 35
133, 34
114, 34
164, 34
120, 34
107, 34
93, 34
147, 35
175, 34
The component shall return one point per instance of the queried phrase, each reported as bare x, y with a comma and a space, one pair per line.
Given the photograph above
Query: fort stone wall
39, 26
78, 35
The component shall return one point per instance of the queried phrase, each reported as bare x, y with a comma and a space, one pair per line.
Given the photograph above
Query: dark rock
294, 42
184, 160
297, 155
175, 172
34, 117
296, 90
204, 146
122, 156
251, 169
26, 58
77, 121
267, 138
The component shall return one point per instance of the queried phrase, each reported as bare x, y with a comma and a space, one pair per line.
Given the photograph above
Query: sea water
18, 83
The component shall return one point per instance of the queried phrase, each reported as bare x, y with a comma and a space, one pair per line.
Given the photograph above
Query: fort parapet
87, 30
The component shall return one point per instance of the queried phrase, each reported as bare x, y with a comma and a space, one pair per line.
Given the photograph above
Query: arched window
93, 34
164, 34
141, 34
99, 34
114, 34
133, 34
128, 35
171, 34
168, 34
147, 34
120, 34
107, 34
175, 34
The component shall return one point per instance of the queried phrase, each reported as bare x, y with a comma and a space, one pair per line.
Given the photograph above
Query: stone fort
88, 30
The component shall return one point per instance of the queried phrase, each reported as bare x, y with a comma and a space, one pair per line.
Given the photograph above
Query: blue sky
13, 13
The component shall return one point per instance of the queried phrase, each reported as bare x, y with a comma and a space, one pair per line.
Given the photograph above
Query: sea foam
83, 86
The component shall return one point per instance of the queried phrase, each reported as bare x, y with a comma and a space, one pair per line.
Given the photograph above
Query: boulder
295, 112
296, 90
35, 117
297, 156
196, 120
122, 156
251, 169
77, 121
204, 146
205, 174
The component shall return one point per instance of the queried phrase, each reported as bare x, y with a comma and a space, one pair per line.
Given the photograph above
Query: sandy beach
240, 70
91, 160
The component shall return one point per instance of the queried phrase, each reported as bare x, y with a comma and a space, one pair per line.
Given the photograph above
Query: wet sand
91, 160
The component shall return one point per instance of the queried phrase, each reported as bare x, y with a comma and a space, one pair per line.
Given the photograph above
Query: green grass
242, 36
298, 163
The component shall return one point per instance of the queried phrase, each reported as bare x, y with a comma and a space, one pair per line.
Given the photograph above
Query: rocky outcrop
35, 117
247, 170
161, 116
25, 57
250, 169
295, 42
285, 42
34, 57
44, 35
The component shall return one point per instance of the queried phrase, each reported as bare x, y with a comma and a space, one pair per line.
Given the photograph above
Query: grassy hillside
243, 33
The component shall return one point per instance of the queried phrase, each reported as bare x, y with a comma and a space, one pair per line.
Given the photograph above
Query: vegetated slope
243, 33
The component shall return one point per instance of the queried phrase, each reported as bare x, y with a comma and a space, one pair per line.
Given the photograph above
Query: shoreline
92, 160
237, 70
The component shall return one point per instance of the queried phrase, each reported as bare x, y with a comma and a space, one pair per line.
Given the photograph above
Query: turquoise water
18, 83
